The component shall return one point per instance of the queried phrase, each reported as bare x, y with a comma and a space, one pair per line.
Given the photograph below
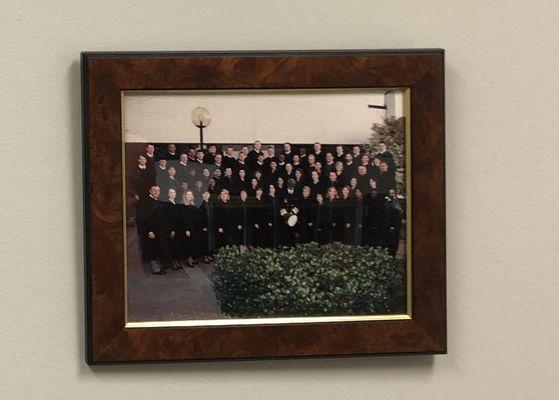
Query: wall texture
503, 216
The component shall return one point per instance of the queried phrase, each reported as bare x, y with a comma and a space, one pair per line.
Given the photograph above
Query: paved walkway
177, 295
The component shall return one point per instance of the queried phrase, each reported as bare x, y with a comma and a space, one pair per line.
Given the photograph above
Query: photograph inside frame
245, 206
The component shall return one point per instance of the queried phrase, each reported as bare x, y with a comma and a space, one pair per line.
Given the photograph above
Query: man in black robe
259, 219
307, 216
223, 220
151, 227
373, 218
141, 179
393, 223
385, 155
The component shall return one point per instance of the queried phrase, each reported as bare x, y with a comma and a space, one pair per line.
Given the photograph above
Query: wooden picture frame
106, 75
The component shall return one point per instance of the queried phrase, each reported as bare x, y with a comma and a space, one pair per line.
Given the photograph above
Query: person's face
280, 182
306, 191
287, 147
273, 165
229, 151
356, 149
206, 173
296, 158
381, 147
361, 170
258, 175
172, 194
257, 146
212, 149
288, 168
244, 150
254, 182
353, 182
199, 185
242, 173
163, 163
211, 182
183, 158
242, 156
260, 158
150, 149
318, 166
372, 184
319, 198
199, 155
339, 166
331, 193
376, 162
217, 173
317, 147
392, 193
348, 158
224, 196
228, 172
272, 190
218, 158
142, 161
358, 194
339, 150
172, 171
383, 166
329, 158
259, 192
155, 191
345, 192
206, 196
332, 176
298, 174
191, 153
243, 195
365, 160
314, 175
172, 148
311, 159
281, 157
271, 151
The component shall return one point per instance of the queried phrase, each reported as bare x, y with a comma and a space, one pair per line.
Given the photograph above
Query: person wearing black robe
254, 184
228, 181
224, 220
385, 155
289, 205
207, 227
307, 217
335, 214
228, 159
358, 220
287, 152
318, 153
161, 171
182, 168
300, 181
348, 216
240, 184
323, 221
273, 216
393, 223
252, 156
373, 217
385, 180
329, 164
210, 155
169, 238
141, 179
259, 219
149, 154
316, 185
241, 163
189, 229
241, 206
149, 220
339, 155
171, 153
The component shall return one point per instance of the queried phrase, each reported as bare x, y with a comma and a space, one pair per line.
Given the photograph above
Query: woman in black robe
274, 206
207, 228
335, 214
223, 220
241, 229
258, 219
308, 214
347, 215
189, 226
170, 222
323, 221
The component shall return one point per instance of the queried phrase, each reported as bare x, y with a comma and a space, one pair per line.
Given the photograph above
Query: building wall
502, 214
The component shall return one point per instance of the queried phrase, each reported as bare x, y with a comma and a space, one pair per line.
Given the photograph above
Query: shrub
309, 280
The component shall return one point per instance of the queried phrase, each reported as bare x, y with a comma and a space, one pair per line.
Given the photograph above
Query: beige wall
327, 116
503, 214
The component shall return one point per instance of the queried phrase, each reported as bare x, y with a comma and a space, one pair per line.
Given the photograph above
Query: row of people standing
177, 232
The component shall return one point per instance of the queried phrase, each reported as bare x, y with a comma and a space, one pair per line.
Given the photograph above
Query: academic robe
207, 227
169, 223
149, 219
373, 219
259, 217
307, 219
223, 221
189, 220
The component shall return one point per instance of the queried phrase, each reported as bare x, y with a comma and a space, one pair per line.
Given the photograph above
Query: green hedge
309, 280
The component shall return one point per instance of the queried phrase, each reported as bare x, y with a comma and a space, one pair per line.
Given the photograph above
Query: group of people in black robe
190, 203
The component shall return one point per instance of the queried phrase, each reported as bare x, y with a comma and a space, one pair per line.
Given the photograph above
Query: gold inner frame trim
277, 320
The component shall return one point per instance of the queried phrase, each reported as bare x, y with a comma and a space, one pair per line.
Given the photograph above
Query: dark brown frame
105, 75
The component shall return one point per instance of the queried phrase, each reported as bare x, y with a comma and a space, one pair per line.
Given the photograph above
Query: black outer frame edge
260, 53
443, 117
86, 55
86, 209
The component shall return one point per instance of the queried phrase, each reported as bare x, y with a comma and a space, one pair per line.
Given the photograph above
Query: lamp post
201, 118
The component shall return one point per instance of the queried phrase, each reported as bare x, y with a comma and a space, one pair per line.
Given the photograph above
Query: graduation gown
273, 210
258, 215
170, 219
307, 219
223, 220
207, 233
241, 218
373, 219
348, 216
392, 226
149, 219
189, 220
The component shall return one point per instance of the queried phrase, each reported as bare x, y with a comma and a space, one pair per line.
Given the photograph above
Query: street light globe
201, 117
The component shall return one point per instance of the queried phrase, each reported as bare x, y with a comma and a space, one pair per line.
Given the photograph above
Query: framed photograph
263, 204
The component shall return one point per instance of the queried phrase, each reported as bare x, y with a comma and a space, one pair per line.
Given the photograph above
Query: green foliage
309, 280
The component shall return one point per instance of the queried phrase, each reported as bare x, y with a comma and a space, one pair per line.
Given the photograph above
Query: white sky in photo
302, 116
